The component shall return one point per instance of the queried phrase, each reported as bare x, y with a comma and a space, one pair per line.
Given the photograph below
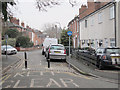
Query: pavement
10, 62
91, 70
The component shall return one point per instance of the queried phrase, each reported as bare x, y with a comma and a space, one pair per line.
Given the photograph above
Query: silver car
56, 52
10, 49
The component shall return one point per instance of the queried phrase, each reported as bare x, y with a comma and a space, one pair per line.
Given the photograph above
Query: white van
48, 41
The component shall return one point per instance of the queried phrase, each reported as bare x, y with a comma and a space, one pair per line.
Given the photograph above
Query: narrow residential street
59, 75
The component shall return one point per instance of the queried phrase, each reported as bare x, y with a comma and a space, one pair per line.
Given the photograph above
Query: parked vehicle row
101, 57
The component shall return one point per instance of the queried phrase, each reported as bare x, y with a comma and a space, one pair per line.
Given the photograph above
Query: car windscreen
57, 47
113, 51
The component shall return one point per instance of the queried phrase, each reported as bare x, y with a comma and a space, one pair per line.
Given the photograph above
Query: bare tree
43, 4
51, 30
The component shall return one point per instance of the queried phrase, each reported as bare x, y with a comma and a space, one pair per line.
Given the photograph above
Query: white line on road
40, 63
52, 73
28, 74
52, 81
41, 73
17, 83
18, 74
32, 84
8, 86
65, 81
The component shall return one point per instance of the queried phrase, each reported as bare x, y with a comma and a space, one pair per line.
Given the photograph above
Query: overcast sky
28, 13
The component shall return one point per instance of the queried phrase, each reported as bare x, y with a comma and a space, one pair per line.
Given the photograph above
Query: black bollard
48, 63
25, 60
25, 64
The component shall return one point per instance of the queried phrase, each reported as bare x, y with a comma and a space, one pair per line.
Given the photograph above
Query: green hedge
10, 41
24, 42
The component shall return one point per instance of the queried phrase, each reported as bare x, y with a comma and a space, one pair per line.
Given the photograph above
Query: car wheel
100, 66
64, 60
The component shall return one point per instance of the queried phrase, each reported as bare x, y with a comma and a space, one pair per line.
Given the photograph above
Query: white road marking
28, 74
12, 81
41, 73
58, 72
17, 83
53, 73
32, 84
8, 86
65, 81
18, 74
52, 82
40, 63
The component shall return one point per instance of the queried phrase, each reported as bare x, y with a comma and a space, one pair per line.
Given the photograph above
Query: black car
109, 56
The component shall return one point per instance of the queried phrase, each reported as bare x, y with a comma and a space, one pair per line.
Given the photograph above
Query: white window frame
92, 21
112, 14
100, 17
112, 41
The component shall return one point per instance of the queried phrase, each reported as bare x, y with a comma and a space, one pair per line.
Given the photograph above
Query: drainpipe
115, 23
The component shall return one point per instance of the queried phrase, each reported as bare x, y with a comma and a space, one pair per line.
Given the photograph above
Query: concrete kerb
80, 71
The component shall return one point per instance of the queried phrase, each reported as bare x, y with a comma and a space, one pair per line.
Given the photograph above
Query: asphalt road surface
59, 75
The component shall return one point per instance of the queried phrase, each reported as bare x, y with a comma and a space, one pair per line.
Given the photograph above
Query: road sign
69, 33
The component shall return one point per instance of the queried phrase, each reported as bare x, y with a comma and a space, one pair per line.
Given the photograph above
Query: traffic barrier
84, 55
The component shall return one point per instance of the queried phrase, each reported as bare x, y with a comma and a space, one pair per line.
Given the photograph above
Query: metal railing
84, 55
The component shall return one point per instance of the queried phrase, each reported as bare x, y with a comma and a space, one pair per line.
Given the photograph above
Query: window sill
100, 22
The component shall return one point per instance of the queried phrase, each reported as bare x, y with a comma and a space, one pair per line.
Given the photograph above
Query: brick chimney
97, 5
83, 7
90, 6
22, 24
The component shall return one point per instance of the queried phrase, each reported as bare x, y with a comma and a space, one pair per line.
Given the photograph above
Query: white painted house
99, 27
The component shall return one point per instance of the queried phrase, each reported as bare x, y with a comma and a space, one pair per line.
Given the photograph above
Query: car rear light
104, 57
49, 50
64, 51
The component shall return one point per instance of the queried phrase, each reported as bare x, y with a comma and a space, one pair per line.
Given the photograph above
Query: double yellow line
4, 78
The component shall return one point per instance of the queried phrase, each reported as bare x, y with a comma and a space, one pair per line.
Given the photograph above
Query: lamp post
58, 28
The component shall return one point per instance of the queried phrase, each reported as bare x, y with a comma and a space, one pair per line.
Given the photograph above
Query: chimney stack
22, 24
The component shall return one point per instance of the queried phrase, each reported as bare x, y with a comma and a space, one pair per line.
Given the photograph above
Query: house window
86, 23
112, 42
92, 21
112, 12
100, 17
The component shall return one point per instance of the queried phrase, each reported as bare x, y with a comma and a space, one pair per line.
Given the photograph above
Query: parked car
109, 56
56, 51
10, 49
